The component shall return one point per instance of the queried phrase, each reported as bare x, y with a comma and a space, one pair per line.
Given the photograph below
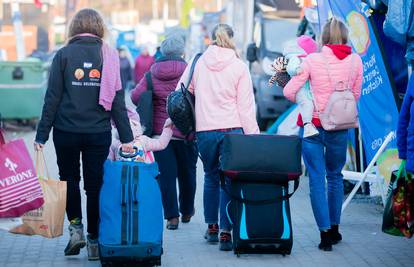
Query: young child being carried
293, 54
144, 144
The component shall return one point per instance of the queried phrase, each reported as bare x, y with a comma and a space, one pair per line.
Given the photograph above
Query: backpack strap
148, 78
184, 89
330, 77
351, 73
327, 69
190, 76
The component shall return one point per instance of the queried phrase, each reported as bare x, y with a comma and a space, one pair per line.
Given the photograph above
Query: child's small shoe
309, 130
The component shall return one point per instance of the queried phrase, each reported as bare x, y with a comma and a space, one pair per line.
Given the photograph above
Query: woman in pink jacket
325, 154
224, 104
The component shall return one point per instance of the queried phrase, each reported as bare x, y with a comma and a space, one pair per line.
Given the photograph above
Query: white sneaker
310, 130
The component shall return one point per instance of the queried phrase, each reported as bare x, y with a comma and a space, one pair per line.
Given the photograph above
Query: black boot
336, 237
326, 242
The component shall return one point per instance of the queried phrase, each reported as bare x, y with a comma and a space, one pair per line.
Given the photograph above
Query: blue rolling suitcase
131, 220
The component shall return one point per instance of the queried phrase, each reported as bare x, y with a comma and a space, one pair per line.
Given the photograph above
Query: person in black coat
81, 125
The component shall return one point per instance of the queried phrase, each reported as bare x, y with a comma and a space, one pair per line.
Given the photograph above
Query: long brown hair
334, 32
222, 36
87, 21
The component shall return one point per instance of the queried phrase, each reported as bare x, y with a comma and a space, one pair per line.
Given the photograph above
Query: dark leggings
177, 161
94, 149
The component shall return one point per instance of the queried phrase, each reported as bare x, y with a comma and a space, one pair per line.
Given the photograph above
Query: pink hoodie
142, 141
223, 90
314, 69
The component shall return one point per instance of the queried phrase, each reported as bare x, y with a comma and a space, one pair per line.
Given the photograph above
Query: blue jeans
178, 161
325, 157
210, 146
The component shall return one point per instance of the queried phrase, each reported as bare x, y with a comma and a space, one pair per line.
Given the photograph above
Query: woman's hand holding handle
127, 148
38, 146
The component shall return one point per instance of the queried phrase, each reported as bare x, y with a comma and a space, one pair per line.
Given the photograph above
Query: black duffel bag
181, 106
261, 158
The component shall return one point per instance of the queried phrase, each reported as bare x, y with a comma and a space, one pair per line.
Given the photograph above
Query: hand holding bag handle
256, 202
128, 155
41, 167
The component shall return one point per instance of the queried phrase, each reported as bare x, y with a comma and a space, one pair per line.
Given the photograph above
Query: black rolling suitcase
260, 214
259, 189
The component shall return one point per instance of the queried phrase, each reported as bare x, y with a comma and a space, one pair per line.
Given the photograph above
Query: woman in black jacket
80, 110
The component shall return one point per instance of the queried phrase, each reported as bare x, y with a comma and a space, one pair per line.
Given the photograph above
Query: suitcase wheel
157, 262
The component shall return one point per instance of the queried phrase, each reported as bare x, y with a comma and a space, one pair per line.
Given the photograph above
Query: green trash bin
22, 89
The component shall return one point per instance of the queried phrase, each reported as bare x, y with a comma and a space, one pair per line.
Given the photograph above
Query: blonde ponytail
334, 32
223, 37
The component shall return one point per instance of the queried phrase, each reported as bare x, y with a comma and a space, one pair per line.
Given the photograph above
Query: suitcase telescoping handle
256, 202
129, 155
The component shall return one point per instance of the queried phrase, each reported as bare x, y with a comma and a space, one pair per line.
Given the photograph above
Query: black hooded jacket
71, 100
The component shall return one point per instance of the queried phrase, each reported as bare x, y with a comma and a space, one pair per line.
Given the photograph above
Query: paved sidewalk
364, 244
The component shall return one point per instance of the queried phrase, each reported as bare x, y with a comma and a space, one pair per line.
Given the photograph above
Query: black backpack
181, 105
145, 107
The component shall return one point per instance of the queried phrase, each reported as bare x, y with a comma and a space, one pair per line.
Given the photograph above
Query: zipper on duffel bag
124, 205
135, 206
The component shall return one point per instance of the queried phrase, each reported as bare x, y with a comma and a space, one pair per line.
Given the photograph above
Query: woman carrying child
293, 53
325, 154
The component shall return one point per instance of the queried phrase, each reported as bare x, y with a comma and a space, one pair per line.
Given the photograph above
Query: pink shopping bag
20, 190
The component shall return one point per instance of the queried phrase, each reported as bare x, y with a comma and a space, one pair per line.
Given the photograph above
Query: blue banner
324, 12
377, 108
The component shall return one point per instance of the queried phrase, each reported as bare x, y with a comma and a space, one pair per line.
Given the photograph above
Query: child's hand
127, 148
272, 81
168, 124
279, 64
